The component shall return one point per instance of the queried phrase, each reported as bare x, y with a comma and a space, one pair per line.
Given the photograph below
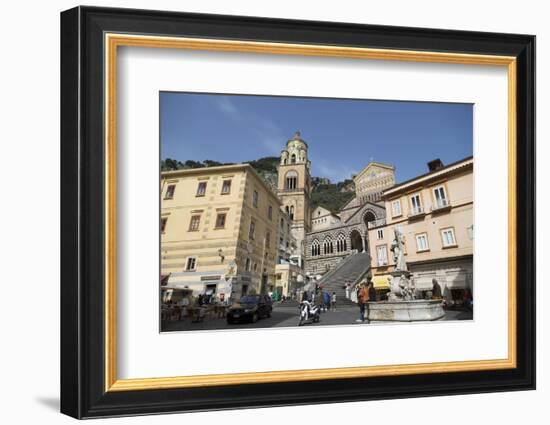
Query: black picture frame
83, 392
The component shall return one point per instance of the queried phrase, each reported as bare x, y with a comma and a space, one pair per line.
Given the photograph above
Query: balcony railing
415, 212
376, 223
382, 263
441, 204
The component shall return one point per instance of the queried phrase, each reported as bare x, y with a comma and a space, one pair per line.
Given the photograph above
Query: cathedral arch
356, 240
368, 216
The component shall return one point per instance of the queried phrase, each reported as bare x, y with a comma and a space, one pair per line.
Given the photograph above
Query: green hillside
332, 196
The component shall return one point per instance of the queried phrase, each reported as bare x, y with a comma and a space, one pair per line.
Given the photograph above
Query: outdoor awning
381, 282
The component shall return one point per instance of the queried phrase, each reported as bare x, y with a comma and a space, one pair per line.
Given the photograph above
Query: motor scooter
309, 313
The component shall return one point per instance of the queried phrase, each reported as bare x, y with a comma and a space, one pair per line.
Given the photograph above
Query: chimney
435, 164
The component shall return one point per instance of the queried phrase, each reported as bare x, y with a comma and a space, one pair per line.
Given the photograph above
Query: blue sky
343, 135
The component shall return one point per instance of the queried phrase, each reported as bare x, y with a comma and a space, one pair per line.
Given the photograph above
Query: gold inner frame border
112, 41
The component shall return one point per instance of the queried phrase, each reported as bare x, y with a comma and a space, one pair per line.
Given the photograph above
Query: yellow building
219, 230
435, 214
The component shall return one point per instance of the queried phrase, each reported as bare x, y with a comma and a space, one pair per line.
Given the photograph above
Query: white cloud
225, 105
335, 172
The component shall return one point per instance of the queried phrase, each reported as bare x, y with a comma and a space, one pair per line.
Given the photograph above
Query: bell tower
294, 187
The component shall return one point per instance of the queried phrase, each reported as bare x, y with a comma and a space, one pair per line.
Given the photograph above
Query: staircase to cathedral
351, 270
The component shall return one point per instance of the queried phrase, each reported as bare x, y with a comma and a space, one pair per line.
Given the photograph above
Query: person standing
326, 300
319, 298
362, 299
372, 291
348, 290
333, 301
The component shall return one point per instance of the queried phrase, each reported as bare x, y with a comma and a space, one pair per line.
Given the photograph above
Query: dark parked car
250, 308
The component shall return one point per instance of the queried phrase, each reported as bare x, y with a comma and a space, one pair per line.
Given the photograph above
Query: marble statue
398, 249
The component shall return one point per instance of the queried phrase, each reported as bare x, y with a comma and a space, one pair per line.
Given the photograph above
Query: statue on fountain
402, 304
402, 287
398, 249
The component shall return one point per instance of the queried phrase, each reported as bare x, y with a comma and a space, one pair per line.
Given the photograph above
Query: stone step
351, 270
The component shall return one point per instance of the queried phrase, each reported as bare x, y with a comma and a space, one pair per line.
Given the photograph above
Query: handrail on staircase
338, 267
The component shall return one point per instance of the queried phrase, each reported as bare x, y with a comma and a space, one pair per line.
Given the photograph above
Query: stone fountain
402, 305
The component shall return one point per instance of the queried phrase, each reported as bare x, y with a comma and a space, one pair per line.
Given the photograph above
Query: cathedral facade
323, 237
335, 235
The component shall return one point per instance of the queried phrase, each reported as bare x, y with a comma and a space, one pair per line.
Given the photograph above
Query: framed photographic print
261, 212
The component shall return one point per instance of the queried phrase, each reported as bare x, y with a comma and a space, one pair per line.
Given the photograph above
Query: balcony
416, 212
376, 223
441, 205
382, 263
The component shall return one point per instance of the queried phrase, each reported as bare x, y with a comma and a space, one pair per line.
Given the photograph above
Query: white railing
415, 211
376, 223
440, 204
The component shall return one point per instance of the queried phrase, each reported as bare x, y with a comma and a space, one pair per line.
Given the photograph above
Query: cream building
289, 279
219, 230
435, 213
289, 275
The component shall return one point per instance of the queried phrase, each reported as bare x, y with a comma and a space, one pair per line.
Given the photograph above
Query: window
226, 187
283, 223
380, 234
191, 264
422, 242
396, 208
327, 246
293, 158
220, 220
267, 239
341, 244
255, 267
270, 212
382, 253
163, 222
170, 189
194, 223
251, 230
315, 248
448, 236
255, 198
201, 189
291, 180
247, 265
291, 212
440, 197
415, 202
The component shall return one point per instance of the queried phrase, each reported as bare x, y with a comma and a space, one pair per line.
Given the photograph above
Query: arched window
327, 246
291, 213
291, 180
315, 248
341, 244
293, 158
